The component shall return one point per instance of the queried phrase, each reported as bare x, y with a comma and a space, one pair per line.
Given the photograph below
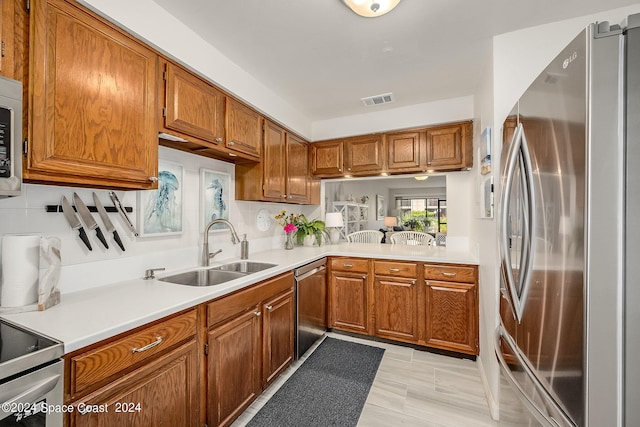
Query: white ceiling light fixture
421, 177
371, 8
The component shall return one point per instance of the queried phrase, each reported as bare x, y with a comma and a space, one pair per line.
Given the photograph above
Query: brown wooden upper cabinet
192, 107
243, 126
405, 151
436, 148
92, 101
327, 158
282, 175
274, 168
449, 147
361, 155
212, 123
298, 185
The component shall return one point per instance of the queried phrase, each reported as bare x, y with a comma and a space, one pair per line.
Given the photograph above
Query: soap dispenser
244, 248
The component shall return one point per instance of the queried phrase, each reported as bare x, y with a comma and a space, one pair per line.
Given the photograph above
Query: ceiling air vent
385, 98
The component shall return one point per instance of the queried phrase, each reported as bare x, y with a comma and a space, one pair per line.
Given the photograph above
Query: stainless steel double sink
217, 275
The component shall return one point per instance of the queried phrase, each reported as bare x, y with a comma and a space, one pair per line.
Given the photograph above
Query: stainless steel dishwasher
311, 304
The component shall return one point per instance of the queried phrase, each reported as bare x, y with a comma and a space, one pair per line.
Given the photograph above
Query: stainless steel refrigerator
569, 336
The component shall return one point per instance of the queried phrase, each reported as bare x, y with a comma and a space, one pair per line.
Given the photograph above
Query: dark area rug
328, 389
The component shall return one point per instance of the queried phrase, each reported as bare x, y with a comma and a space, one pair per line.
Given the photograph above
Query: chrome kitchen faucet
206, 255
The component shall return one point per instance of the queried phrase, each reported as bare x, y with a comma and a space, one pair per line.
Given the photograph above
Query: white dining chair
365, 236
415, 238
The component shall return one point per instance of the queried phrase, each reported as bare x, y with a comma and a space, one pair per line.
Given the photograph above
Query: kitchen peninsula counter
85, 317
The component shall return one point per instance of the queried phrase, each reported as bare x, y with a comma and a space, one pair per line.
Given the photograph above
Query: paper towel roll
20, 269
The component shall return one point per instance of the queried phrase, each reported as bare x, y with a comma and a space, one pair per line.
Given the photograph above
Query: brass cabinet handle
347, 265
231, 143
257, 313
153, 178
269, 307
444, 273
218, 140
394, 270
148, 346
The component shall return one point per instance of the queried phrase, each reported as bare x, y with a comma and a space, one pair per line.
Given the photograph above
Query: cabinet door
278, 331
396, 307
7, 36
274, 164
234, 372
297, 170
449, 147
244, 128
93, 106
451, 315
326, 158
404, 150
163, 392
349, 302
193, 106
363, 155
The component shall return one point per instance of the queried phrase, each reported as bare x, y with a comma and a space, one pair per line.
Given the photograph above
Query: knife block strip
58, 208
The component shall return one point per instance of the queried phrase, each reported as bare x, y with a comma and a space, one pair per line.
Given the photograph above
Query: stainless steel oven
31, 378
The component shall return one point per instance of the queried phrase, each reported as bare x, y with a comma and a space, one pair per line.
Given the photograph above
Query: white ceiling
322, 58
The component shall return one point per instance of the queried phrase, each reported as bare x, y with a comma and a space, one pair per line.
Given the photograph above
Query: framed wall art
214, 198
160, 211
381, 207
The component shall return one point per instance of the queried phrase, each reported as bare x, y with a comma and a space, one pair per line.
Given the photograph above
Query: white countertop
86, 317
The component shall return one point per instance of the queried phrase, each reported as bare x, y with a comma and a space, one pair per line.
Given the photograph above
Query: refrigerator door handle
518, 148
541, 415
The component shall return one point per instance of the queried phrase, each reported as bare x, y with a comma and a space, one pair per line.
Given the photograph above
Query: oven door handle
30, 395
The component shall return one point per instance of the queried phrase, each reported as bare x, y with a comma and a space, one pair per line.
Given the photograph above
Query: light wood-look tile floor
411, 388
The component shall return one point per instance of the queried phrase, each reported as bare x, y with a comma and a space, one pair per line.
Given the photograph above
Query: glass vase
288, 244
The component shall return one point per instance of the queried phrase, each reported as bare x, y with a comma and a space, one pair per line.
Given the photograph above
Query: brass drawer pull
347, 265
444, 273
148, 346
394, 270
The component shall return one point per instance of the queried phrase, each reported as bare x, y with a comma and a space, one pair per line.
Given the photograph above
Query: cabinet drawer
452, 273
350, 264
89, 368
230, 306
396, 269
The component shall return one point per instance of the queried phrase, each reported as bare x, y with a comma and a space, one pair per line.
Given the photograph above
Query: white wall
82, 268
443, 111
518, 57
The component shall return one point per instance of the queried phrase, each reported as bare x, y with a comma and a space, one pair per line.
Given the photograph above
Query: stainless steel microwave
10, 137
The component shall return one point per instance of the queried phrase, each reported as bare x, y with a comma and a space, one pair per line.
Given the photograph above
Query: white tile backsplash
82, 268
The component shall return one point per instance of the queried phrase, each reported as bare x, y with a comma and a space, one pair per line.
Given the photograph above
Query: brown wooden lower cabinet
396, 308
201, 366
278, 333
159, 393
349, 306
434, 305
234, 374
450, 316
250, 342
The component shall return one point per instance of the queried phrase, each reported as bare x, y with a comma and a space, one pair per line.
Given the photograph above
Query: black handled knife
74, 221
108, 225
87, 218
